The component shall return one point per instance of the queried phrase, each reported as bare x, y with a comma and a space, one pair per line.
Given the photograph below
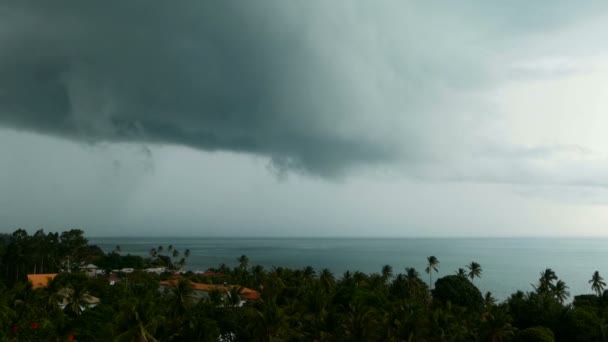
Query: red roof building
246, 293
40, 280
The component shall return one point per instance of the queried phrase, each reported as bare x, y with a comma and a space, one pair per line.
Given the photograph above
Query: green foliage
587, 300
474, 270
458, 291
296, 304
536, 334
116, 261
431, 266
597, 283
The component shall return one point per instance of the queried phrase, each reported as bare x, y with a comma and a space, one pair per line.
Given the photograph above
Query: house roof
246, 293
40, 280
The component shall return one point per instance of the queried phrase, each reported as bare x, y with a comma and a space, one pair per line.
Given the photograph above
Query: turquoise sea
508, 264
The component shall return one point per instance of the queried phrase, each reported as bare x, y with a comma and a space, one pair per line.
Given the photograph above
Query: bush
536, 334
459, 291
586, 300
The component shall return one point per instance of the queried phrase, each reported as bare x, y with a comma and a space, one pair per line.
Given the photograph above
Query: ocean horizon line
278, 237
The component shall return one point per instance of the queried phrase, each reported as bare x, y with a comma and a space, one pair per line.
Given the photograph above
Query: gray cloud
315, 86
323, 87
224, 76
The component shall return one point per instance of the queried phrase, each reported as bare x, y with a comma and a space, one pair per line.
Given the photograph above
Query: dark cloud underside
222, 75
315, 85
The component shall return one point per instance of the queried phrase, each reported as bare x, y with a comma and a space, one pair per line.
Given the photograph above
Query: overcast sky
304, 118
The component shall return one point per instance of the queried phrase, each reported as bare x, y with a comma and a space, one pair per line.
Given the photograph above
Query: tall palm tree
474, 270
432, 265
560, 290
597, 283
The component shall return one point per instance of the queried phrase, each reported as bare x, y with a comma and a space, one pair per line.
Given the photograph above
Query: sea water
508, 264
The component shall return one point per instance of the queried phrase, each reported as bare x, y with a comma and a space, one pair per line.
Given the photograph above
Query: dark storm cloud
314, 85
211, 75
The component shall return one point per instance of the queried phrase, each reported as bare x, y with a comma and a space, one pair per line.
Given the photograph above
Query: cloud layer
315, 86
465, 109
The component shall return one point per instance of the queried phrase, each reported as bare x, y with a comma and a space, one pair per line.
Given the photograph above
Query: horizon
355, 237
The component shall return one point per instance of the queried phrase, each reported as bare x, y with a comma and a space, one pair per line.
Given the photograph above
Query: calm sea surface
508, 264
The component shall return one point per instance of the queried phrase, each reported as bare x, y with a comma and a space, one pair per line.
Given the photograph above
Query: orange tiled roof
246, 293
40, 280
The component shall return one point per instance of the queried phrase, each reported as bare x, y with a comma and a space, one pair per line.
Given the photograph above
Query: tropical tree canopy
458, 291
293, 305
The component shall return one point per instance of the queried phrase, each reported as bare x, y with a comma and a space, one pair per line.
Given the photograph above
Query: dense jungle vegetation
295, 305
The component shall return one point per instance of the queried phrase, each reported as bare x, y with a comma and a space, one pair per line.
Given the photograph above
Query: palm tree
547, 276
387, 272
415, 286
76, 299
545, 282
411, 273
433, 265
474, 270
560, 291
183, 293
137, 320
309, 272
461, 272
233, 297
597, 283
181, 263
270, 324
187, 253
243, 262
327, 279
489, 300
